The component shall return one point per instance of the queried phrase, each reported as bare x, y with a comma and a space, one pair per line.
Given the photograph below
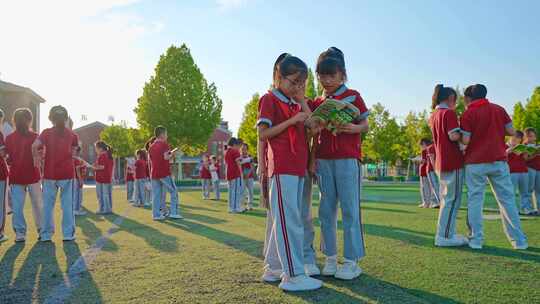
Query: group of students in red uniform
291, 157
239, 173
43, 165
471, 150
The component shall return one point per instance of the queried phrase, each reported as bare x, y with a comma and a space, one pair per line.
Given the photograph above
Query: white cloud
85, 55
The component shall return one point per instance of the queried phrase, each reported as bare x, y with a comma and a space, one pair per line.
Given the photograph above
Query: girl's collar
282, 96
340, 91
442, 105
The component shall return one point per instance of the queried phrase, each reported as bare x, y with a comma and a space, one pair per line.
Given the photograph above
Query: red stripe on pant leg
4, 209
284, 227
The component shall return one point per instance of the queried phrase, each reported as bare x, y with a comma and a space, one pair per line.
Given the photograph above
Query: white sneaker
422, 205
176, 216
330, 267
299, 283
20, 238
475, 244
271, 275
455, 241
312, 270
69, 239
159, 218
348, 271
79, 213
520, 246
435, 206
3, 238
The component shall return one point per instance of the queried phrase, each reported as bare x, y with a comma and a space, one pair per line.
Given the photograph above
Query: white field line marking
72, 279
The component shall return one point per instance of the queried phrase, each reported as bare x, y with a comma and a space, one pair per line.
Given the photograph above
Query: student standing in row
484, 126
206, 177
234, 175
519, 173
3, 185
160, 153
103, 172
23, 175
448, 164
429, 183
141, 179
130, 179
214, 173
533, 165
58, 173
249, 175
80, 175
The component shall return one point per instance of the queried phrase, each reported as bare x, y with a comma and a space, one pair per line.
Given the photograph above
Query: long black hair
22, 118
105, 147
440, 94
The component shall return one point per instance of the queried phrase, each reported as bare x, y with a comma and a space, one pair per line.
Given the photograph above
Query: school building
216, 146
13, 96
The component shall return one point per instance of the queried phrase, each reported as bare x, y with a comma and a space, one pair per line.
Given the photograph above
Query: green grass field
214, 257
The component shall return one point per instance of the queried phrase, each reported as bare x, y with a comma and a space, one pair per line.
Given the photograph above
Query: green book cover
529, 149
331, 114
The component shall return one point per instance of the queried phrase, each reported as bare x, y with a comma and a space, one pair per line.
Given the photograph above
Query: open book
529, 149
331, 114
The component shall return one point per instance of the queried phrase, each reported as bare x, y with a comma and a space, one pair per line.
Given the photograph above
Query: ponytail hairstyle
149, 143
141, 154
58, 115
1, 115
105, 147
330, 62
276, 68
291, 65
22, 118
476, 91
440, 94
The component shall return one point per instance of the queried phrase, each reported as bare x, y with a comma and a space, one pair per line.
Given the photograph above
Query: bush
188, 183
399, 179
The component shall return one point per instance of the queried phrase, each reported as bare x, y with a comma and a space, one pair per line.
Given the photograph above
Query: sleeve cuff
454, 130
509, 125
264, 121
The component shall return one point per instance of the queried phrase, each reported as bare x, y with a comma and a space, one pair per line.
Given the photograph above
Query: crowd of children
44, 164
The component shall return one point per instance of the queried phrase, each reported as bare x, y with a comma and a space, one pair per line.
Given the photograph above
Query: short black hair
330, 62
530, 130
476, 91
159, 130
425, 141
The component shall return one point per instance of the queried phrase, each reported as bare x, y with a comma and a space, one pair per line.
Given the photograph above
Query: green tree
247, 131
179, 98
117, 136
320, 88
311, 91
414, 128
460, 102
385, 138
519, 116
137, 138
532, 110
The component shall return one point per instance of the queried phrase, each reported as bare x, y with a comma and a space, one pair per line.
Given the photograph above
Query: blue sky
396, 51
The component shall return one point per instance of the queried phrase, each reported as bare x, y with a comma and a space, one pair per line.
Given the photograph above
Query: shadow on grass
150, 235
39, 274
369, 289
247, 245
90, 230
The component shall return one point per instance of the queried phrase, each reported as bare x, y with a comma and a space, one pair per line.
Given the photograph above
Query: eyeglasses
296, 83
